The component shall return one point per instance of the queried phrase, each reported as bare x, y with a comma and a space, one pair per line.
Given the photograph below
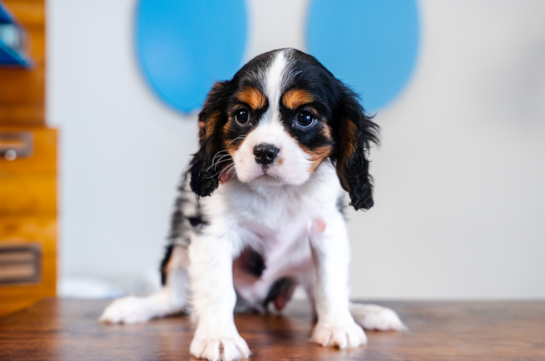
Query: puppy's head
277, 120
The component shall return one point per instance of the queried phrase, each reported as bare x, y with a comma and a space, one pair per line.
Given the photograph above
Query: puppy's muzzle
265, 153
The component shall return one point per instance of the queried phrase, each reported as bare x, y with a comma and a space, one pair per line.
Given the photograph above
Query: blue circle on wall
184, 46
371, 45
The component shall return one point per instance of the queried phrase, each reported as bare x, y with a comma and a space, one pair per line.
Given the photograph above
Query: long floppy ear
204, 173
355, 132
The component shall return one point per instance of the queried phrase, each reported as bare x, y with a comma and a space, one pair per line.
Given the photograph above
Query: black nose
265, 153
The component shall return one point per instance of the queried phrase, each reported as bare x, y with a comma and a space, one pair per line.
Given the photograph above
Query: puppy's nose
265, 153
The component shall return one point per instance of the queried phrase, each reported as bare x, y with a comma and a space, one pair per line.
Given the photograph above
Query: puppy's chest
270, 254
274, 221
274, 233
275, 226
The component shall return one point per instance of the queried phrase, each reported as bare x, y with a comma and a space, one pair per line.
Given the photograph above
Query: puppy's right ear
204, 173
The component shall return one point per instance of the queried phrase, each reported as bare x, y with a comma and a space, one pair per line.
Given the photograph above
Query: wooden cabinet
28, 220
28, 173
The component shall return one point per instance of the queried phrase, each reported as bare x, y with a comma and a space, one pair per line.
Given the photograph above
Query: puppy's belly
260, 279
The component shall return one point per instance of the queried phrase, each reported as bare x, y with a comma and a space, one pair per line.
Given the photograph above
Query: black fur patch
281, 287
179, 228
353, 169
176, 219
164, 263
253, 262
341, 206
195, 221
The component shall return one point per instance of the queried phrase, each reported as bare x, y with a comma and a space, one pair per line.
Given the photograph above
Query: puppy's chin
273, 175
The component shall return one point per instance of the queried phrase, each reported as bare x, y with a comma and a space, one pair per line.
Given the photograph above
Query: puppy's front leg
211, 283
331, 253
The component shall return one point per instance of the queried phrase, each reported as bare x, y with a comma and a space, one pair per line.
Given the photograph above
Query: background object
12, 40
183, 47
371, 45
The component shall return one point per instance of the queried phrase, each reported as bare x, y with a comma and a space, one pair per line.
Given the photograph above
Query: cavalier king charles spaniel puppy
260, 209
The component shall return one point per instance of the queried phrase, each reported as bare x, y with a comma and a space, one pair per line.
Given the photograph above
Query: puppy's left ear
205, 173
355, 132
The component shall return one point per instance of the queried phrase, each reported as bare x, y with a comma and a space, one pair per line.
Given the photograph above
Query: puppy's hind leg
171, 299
374, 317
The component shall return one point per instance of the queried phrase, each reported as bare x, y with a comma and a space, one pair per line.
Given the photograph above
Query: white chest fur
274, 221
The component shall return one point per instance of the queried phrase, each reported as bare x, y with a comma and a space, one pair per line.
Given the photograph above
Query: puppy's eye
242, 116
305, 119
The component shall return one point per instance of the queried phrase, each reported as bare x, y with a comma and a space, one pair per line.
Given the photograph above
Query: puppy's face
276, 121
276, 131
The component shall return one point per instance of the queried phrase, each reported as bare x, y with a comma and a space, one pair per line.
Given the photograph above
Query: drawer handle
20, 263
16, 145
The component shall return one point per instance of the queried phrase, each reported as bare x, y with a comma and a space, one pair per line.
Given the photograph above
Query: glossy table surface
60, 329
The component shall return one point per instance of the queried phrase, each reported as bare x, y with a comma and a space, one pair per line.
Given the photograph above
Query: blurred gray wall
460, 175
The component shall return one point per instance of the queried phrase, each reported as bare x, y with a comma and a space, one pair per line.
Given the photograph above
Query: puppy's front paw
216, 348
374, 317
128, 310
342, 335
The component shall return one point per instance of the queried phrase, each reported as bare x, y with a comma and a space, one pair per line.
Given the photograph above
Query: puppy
260, 208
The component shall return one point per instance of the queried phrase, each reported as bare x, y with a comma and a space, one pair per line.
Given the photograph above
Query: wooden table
56, 329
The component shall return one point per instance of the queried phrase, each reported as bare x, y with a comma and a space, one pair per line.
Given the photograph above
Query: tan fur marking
347, 147
326, 131
252, 96
229, 144
211, 123
227, 127
317, 156
294, 98
231, 149
320, 154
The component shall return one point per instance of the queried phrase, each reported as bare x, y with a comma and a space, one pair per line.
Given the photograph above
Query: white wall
460, 195
460, 178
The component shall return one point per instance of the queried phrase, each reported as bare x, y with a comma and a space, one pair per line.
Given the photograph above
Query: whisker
227, 169
215, 174
237, 138
232, 170
222, 160
223, 156
218, 153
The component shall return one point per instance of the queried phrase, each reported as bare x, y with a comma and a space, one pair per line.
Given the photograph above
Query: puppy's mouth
268, 174
267, 178
272, 173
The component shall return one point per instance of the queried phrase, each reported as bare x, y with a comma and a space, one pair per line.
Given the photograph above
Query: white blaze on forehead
273, 81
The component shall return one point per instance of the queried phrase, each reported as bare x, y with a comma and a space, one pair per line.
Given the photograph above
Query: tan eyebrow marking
252, 96
294, 98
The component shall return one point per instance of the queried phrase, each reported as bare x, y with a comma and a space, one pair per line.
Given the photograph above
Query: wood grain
44, 157
57, 329
28, 193
42, 230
